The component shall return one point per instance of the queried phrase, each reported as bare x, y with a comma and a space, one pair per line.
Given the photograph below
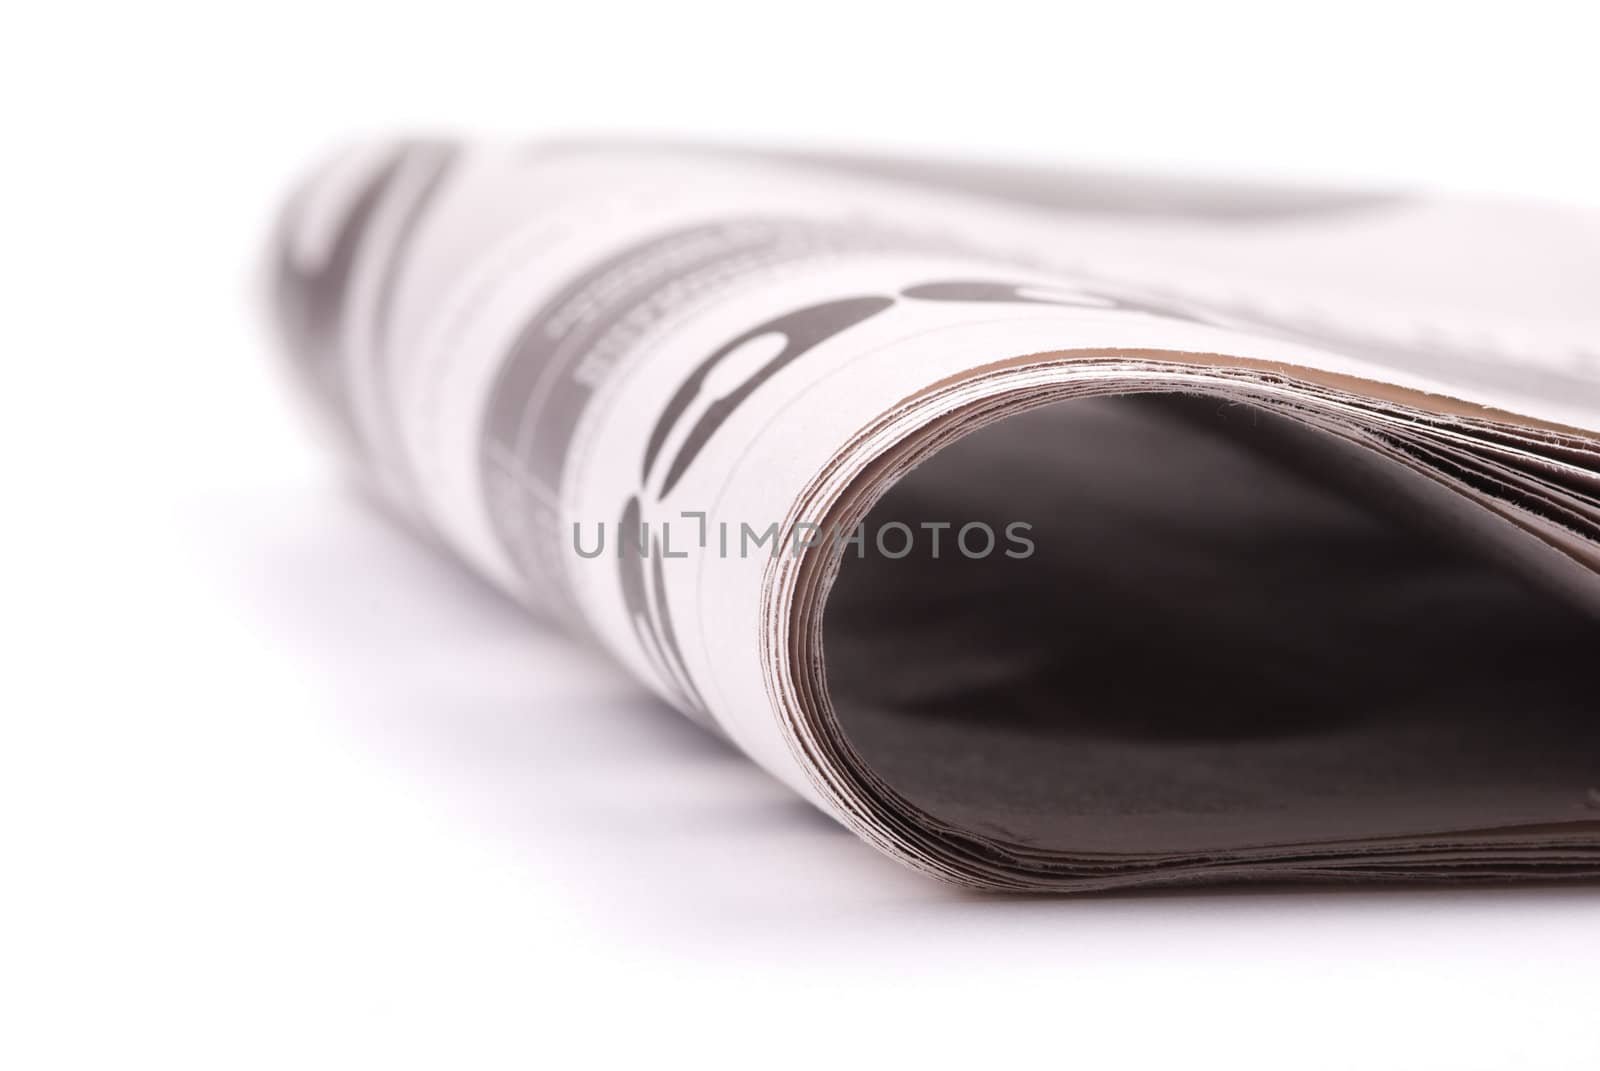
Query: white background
279, 788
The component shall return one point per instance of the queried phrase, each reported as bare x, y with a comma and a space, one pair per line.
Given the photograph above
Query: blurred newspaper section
1050, 531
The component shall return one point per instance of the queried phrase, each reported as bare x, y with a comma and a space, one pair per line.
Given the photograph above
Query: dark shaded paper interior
1234, 631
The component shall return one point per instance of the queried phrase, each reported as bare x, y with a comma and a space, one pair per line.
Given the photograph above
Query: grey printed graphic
801, 331
313, 301
648, 612
573, 341
310, 299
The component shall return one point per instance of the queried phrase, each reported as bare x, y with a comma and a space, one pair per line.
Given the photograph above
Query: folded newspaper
1051, 531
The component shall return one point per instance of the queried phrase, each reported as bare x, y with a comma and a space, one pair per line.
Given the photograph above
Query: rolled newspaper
1051, 531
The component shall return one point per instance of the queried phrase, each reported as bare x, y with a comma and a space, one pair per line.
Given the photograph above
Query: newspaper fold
1051, 531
